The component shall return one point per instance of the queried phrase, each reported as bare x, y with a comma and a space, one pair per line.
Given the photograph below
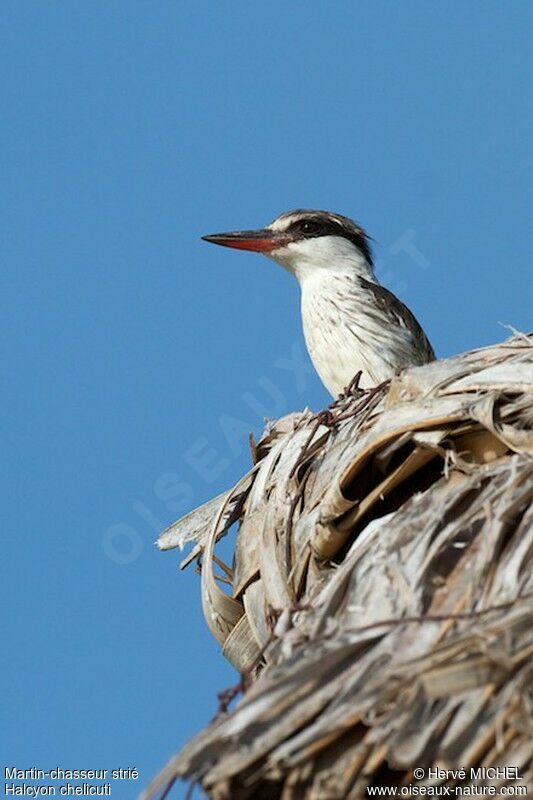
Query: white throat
341, 331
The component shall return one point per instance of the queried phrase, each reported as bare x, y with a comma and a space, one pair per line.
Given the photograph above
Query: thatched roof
381, 600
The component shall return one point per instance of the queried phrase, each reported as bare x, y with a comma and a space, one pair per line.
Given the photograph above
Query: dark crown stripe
327, 224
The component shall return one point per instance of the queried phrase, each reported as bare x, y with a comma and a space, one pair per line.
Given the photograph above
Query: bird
353, 326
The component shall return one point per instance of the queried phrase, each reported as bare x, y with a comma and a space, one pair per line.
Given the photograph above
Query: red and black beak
261, 241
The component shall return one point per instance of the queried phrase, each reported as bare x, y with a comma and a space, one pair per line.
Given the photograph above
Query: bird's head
304, 241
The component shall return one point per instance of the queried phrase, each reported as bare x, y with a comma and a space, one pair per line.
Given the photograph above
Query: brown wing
389, 304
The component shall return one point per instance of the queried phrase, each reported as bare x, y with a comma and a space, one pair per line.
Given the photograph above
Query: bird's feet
353, 386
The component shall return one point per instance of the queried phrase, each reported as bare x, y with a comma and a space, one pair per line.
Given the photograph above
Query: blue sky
136, 357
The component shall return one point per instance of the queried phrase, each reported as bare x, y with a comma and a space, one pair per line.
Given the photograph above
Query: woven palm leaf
381, 600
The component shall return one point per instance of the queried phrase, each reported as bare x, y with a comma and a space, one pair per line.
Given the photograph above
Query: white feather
345, 329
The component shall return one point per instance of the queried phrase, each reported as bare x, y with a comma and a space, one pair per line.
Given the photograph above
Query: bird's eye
309, 226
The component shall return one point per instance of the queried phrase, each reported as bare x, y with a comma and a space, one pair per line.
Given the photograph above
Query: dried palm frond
382, 594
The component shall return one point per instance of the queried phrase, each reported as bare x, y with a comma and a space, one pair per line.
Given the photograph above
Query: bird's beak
261, 241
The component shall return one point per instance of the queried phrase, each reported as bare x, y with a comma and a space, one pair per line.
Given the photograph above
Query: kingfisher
352, 325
